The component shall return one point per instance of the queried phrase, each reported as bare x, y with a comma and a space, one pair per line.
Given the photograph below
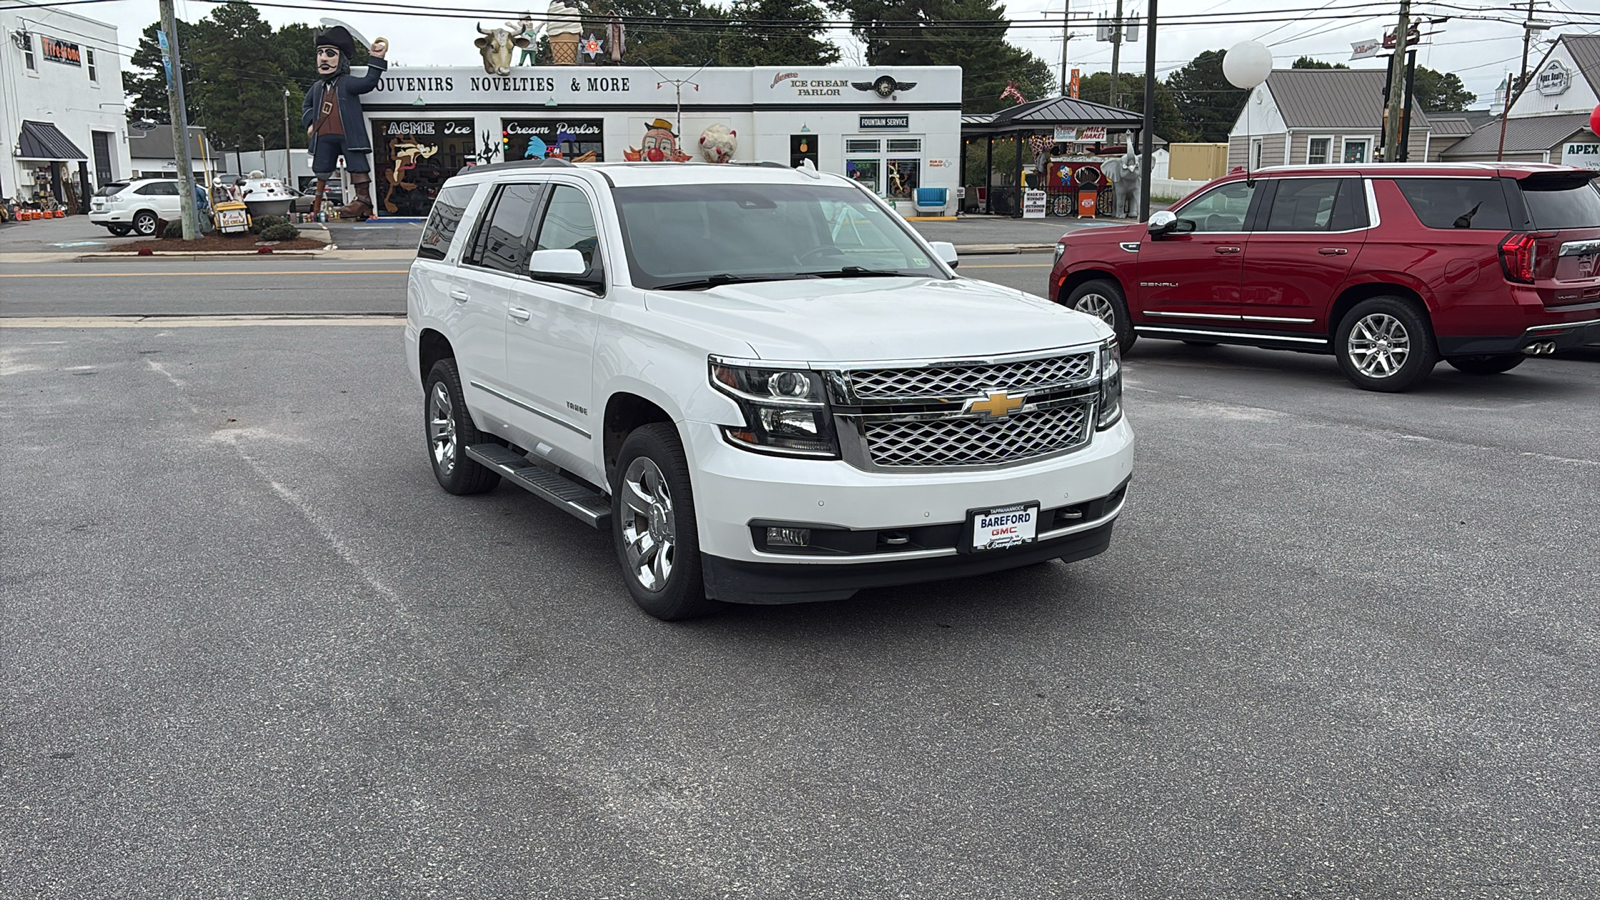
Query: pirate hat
337, 36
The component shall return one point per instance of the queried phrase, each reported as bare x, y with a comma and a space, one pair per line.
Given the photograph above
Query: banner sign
61, 51
1365, 49
1033, 204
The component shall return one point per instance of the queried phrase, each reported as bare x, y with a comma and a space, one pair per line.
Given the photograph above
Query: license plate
1010, 526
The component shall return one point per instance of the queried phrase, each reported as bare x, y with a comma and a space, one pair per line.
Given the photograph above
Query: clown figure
331, 114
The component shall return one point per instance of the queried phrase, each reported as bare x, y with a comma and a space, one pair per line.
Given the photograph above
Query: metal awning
42, 140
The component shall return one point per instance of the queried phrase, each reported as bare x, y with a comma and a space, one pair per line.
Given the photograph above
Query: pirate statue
331, 113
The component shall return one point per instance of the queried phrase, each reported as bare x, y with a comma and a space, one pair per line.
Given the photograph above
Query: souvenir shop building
894, 130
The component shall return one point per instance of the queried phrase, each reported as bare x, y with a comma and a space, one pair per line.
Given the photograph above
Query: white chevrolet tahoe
764, 384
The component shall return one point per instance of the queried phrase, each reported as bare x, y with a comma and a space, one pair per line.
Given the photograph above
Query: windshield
1563, 201
689, 236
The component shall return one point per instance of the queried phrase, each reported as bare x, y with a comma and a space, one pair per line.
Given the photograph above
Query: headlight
1110, 385
1061, 249
785, 410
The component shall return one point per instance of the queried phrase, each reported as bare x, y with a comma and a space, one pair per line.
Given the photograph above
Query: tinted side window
1478, 203
1303, 204
1220, 209
569, 224
1350, 210
501, 243
448, 208
1562, 201
160, 189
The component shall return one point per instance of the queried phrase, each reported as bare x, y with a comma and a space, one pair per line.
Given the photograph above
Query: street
1343, 644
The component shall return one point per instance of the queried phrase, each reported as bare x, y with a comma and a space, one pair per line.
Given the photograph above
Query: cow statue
1124, 177
496, 46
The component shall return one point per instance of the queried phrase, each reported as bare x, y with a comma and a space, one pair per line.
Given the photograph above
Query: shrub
260, 224
282, 231
167, 229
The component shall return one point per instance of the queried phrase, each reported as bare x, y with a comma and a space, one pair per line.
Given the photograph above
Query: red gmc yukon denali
1389, 268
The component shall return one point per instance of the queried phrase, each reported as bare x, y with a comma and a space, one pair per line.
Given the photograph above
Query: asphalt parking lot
1343, 645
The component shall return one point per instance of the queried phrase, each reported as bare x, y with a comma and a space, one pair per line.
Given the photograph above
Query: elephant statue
1124, 177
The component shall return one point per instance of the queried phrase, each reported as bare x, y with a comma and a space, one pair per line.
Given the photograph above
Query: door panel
489, 275
1191, 277
550, 331
1310, 233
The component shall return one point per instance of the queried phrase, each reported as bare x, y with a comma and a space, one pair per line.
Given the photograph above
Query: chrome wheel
1379, 345
442, 429
1098, 305
649, 524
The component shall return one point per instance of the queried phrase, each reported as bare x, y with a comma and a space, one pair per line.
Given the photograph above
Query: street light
288, 166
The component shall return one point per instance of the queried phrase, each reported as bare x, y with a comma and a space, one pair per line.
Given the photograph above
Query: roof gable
1333, 98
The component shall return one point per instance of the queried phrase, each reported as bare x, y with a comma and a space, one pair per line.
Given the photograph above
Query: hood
855, 319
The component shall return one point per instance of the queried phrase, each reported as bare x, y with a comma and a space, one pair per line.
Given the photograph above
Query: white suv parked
138, 206
763, 383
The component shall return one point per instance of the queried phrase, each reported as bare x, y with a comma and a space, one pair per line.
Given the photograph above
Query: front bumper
738, 492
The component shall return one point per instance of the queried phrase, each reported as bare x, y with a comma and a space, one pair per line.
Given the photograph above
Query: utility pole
1393, 104
1522, 76
179, 114
1116, 50
1066, 35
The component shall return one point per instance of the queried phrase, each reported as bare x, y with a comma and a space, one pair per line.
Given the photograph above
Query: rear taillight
1516, 257
1518, 253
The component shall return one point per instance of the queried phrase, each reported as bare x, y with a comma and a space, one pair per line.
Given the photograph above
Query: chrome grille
977, 440
963, 381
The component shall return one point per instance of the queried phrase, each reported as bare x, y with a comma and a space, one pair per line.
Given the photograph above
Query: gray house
1317, 116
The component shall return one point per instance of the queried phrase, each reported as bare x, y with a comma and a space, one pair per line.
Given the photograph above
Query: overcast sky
1480, 52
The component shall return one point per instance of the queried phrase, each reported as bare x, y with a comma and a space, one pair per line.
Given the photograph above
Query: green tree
236, 68
1096, 88
1204, 98
671, 44
1307, 62
802, 40
895, 33
1440, 91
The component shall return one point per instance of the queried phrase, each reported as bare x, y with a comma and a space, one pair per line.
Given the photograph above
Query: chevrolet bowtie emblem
998, 404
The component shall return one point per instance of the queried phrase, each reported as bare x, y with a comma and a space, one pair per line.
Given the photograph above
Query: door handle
520, 314
1333, 251
1229, 249
459, 296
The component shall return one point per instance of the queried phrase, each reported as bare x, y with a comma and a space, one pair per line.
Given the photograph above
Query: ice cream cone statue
563, 28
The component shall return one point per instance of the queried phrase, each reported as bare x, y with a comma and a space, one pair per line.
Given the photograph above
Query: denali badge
997, 404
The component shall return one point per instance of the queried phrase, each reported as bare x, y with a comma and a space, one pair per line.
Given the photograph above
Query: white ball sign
1247, 64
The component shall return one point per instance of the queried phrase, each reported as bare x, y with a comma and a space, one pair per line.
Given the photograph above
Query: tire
654, 527
449, 430
145, 223
1487, 364
1385, 344
1103, 299
119, 230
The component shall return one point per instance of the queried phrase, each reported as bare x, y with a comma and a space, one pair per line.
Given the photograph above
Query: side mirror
1162, 222
946, 251
562, 264
563, 267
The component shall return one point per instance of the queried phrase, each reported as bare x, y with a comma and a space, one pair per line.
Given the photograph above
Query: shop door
103, 173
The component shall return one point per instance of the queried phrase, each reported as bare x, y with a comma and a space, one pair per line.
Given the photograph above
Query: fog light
788, 537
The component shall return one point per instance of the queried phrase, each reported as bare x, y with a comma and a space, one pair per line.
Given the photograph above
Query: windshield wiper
711, 281
857, 272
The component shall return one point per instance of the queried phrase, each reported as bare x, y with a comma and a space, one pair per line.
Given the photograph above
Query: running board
564, 493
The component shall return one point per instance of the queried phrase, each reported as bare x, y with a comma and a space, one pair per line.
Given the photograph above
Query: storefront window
801, 148
411, 158
864, 170
903, 174
862, 145
575, 140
